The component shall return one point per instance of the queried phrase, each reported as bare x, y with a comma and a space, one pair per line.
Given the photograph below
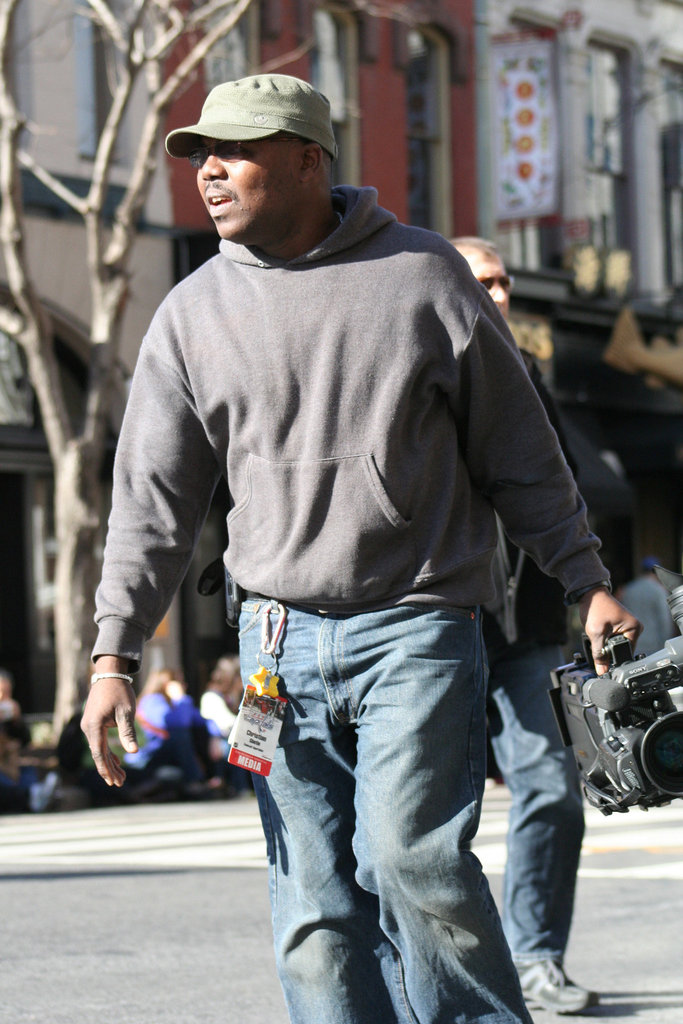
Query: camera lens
675, 600
662, 753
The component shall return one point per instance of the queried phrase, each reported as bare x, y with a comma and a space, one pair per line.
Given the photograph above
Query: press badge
254, 736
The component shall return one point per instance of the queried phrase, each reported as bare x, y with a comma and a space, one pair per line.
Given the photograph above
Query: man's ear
312, 158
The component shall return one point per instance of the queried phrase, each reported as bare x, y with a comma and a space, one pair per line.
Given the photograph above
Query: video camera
625, 730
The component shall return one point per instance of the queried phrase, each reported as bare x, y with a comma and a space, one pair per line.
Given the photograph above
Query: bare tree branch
167, 37
55, 186
34, 333
10, 322
101, 14
150, 134
283, 59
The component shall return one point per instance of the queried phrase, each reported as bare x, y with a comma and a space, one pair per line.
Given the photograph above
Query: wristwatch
575, 595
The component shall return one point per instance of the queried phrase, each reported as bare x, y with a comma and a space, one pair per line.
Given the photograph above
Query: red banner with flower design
525, 127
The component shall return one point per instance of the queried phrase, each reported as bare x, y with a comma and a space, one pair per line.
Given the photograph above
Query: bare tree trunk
161, 44
78, 503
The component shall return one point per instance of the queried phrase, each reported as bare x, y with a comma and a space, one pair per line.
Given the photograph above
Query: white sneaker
547, 987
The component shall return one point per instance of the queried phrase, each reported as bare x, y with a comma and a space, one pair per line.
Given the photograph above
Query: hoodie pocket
323, 531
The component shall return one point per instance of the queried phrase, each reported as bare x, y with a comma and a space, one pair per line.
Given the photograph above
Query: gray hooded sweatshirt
368, 408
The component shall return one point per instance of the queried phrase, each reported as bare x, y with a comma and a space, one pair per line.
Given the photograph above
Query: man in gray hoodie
369, 418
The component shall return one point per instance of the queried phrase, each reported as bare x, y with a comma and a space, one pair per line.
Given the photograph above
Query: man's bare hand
603, 616
110, 705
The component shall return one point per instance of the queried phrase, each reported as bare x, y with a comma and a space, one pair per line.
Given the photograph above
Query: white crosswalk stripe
649, 843
228, 834
179, 835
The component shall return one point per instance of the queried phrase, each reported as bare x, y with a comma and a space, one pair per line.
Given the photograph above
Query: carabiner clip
269, 641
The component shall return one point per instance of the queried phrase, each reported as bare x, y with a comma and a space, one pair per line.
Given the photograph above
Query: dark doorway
14, 625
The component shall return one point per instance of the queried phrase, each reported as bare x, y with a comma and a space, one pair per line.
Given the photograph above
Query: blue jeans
546, 817
381, 913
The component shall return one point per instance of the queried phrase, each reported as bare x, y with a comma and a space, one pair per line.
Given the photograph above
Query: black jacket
541, 614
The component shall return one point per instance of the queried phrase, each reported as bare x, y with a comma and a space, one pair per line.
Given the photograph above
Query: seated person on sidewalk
219, 704
170, 723
20, 788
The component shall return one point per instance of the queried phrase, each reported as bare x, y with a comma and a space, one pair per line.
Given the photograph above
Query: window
236, 54
334, 63
427, 120
16, 394
44, 557
93, 93
605, 149
671, 128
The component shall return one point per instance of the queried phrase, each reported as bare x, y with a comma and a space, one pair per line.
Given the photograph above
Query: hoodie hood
361, 217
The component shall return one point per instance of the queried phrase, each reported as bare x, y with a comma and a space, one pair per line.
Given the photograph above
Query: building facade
555, 128
581, 175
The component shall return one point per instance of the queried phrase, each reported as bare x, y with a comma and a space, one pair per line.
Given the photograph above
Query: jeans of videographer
380, 911
546, 821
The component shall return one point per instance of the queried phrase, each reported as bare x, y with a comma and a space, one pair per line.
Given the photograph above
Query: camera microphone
606, 693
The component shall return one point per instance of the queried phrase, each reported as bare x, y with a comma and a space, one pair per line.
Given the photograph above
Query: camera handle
617, 646
603, 801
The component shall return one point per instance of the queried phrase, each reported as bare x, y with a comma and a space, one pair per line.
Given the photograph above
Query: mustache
216, 191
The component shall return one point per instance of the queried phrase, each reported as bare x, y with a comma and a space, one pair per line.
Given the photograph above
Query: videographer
523, 631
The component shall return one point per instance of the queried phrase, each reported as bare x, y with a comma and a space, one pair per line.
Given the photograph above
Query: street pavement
158, 914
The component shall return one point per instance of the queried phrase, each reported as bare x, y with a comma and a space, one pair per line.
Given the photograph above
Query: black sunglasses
229, 150
506, 282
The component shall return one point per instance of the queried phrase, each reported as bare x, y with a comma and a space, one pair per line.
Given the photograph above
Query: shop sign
600, 271
525, 127
533, 334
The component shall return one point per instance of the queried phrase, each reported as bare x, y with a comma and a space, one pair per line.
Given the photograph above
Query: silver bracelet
96, 676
